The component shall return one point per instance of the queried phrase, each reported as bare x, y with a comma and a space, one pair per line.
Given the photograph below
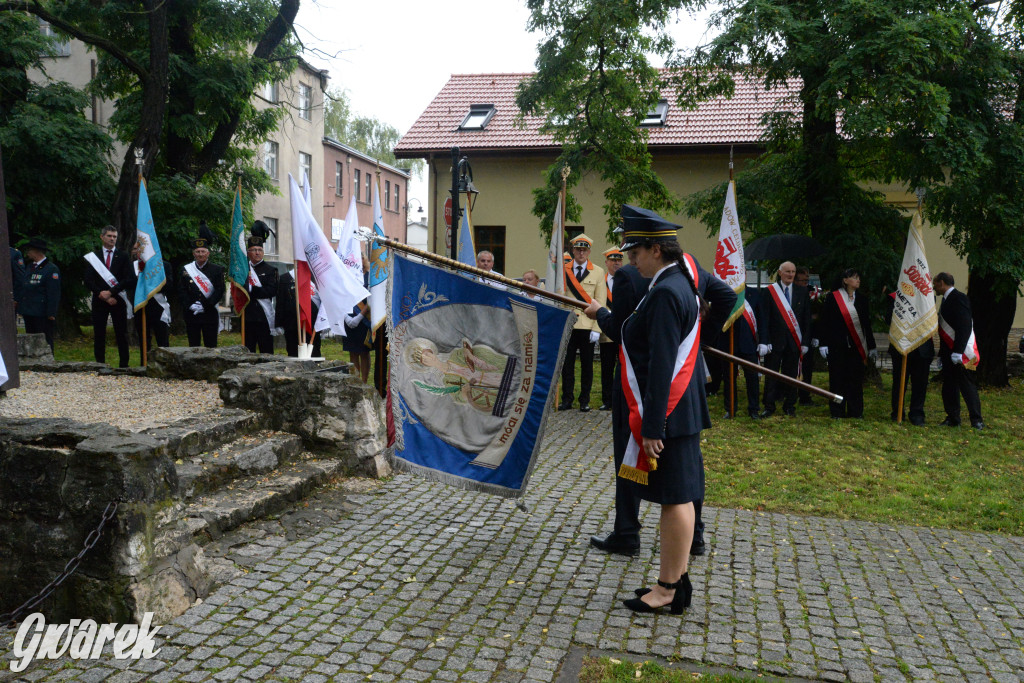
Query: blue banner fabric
473, 371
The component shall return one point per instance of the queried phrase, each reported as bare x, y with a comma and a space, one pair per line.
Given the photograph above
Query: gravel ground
133, 403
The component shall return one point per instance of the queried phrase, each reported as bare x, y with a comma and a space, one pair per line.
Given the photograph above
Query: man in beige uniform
586, 282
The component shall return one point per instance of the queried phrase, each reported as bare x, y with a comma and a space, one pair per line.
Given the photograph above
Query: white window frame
270, 246
305, 102
271, 150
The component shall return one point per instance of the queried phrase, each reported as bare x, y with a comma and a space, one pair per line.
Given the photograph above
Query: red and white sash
971, 354
779, 296
109, 278
853, 324
202, 282
633, 466
268, 310
748, 315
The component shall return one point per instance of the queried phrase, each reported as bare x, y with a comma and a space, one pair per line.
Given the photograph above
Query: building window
270, 92
306, 168
387, 195
369, 188
270, 159
479, 116
61, 46
657, 116
491, 238
355, 185
305, 102
270, 246
398, 204
337, 177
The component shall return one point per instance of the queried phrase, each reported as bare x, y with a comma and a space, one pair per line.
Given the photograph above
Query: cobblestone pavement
426, 582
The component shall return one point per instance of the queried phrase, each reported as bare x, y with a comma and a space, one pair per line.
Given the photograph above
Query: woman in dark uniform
357, 340
663, 383
844, 331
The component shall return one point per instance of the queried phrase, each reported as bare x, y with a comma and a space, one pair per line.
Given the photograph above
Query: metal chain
9, 619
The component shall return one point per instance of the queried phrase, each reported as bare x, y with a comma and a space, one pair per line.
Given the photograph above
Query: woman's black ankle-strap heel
680, 600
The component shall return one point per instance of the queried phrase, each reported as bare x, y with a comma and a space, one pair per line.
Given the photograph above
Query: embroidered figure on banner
477, 375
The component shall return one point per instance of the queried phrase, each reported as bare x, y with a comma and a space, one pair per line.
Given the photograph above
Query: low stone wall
56, 478
333, 412
200, 363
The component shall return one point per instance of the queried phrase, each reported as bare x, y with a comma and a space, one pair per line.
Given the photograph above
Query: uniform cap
640, 226
582, 241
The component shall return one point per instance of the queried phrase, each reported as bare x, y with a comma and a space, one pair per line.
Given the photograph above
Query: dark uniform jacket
267, 290
629, 286
120, 267
772, 327
832, 329
189, 292
41, 294
17, 273
652, 337
956, 311
284, 310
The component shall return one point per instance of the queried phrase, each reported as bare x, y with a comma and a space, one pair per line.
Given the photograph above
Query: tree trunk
822, 172
993, 304
148, 136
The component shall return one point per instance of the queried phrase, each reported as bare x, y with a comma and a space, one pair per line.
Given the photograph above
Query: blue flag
152, 276
466, 253
473, 372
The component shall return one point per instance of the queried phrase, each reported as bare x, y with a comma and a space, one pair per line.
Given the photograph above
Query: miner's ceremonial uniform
585, 281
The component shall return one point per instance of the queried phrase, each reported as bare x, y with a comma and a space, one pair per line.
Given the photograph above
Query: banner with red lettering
914, 315
730, 266
473, 370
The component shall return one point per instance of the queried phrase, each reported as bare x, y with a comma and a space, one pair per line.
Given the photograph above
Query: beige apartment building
691, 150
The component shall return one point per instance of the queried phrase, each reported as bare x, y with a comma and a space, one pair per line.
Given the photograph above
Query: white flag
378, 275
350, 249
729, 264
554, 280
914, 315
339, 289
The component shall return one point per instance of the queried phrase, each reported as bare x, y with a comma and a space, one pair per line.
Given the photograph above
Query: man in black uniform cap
40, 295
262, 288
200, 289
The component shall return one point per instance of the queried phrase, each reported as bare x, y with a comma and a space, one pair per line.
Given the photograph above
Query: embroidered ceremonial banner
730, 267
472, 371
914, 315
853, 324
153, 277
238, 260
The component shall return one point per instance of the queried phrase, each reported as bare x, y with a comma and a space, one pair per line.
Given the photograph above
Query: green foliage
594, 85
364, 133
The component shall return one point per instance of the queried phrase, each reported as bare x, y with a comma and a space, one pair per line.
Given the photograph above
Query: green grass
608, 670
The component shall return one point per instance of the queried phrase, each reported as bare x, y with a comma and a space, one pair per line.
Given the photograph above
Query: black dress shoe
917, 421
949, 423
767, 413
727, 416
565, 406
680, 600
614, 543
807, 401
978, 424
605, 406
584, 409
698, 547
791, 412
754, 415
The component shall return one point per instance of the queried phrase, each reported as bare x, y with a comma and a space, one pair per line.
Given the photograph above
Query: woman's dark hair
849, 272
673, 252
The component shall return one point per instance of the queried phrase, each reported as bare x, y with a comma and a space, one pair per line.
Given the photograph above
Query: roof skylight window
657, 116
479, 116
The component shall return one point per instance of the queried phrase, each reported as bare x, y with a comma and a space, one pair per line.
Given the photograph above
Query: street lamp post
462, 182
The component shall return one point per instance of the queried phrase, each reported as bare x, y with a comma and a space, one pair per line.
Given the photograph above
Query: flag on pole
152, 277
554, 279
730, 266
473, 372
238, 261
378, 267
467, 248
914, 315
349, 247
338, 288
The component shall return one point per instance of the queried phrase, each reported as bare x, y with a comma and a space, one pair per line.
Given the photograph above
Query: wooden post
732, 370
144, 333
903, 385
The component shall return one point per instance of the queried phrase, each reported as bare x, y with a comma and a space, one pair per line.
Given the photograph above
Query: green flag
238, 262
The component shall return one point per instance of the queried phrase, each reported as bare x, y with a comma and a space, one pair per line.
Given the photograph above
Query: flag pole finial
920, 192
565, 172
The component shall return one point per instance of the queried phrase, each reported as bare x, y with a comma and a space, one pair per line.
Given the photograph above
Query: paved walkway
426, 582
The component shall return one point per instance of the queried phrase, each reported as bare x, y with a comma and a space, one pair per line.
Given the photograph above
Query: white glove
594, 336
957, 358
762, 350
824, 352
196, 308
872, 354
351, 321
803, 350
814, 343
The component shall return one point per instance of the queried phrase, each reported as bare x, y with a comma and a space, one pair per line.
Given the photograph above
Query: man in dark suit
17, 275
783, 322
259, 311
609, 347
745, 347
200, 289
40, 296
958, 353
919, 361
108, 275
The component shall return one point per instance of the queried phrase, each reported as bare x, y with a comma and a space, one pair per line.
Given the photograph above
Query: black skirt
680, 474
357, 340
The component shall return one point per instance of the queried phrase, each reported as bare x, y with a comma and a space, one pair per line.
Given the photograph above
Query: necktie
108, 258
579, 273
787, 294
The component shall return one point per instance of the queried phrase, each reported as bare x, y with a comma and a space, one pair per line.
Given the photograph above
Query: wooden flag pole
565, 175
145, 332
576, 303
732, 329
903, 385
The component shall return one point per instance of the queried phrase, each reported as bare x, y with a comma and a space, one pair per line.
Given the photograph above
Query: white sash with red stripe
748, 315
202, 282
971, 354
853, 324
109, 278
779, 296
633, 466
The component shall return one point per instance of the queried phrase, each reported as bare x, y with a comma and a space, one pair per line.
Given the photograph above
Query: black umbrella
780, 247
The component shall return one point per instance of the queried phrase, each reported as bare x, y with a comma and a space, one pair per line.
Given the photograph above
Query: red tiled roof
716, 122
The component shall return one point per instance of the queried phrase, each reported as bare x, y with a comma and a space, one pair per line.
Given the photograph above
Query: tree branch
103, 44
